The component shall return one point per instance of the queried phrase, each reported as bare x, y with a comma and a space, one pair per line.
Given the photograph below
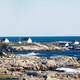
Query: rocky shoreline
38, 68
38, 47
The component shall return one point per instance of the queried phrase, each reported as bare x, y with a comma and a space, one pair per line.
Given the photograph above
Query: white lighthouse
29, 40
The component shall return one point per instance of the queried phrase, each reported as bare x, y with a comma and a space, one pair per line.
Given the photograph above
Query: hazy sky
40, 17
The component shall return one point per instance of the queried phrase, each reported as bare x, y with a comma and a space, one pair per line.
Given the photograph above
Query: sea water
48, 54
43, 39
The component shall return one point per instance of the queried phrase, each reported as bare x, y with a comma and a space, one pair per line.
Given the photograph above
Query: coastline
37, 68
38, 47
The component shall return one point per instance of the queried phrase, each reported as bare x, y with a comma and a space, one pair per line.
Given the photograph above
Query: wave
32, 54
29, 54
49, 54
68, 70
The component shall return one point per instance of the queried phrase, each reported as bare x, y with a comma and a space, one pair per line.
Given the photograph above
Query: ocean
43, 39
48, 54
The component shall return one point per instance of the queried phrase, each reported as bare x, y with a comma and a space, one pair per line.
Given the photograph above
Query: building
6, 40
29, 40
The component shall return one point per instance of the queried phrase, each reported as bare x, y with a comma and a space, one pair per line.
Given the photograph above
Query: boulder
62, 62
62, 76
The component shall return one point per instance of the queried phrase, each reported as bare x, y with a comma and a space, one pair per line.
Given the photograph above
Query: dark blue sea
72, 53
48, 54
44, 38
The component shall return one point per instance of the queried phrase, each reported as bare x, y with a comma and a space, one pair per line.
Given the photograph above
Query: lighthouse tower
29, 40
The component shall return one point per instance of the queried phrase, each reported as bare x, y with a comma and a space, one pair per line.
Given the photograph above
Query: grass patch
6, 76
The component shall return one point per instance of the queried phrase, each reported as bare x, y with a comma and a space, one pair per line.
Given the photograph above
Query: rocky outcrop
62, 62
37, 47
62, 76
36, 68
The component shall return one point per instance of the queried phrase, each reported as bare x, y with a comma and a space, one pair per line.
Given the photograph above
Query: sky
40, 17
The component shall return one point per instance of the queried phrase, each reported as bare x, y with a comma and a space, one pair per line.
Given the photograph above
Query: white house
76, 43
6, 40
19, 42
67, 44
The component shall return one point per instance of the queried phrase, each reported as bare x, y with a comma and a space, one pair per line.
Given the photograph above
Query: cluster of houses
74, 45
6, 40
9, 48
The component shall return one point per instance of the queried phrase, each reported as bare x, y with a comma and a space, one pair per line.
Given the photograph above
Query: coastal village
38, 68
29, 45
